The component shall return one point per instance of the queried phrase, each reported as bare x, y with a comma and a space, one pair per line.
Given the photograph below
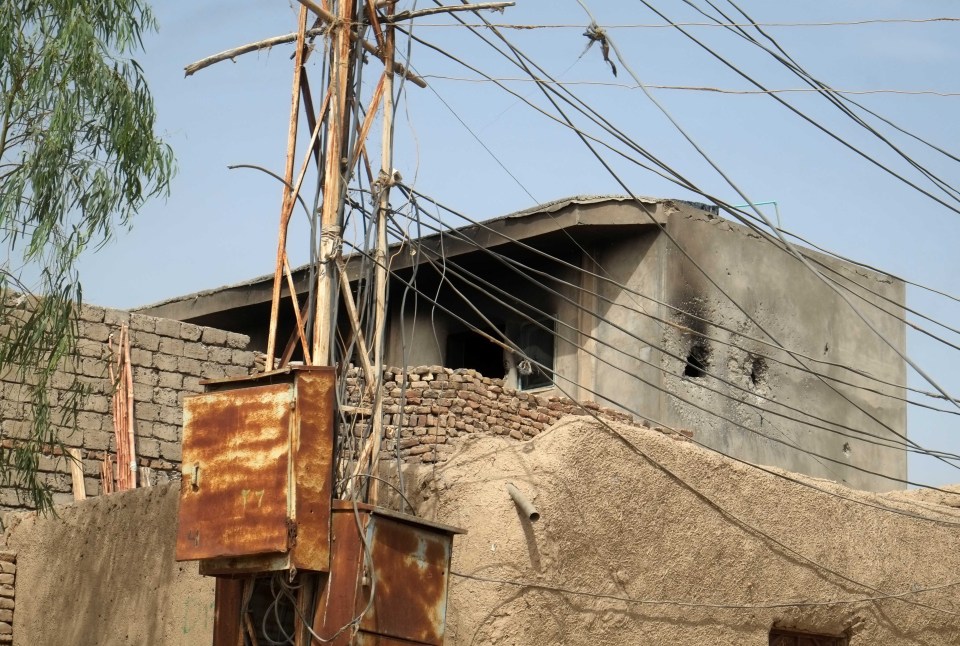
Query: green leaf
78, 158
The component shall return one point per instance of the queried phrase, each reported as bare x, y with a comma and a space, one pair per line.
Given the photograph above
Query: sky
219, 226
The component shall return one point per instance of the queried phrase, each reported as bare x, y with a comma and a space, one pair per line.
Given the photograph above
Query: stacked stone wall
169, 358
427, 409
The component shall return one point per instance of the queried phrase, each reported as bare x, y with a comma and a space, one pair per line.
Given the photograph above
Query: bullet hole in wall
758, 371
697, 360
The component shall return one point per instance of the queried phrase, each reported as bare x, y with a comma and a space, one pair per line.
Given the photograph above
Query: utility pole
380, 255
316, 548
333, 179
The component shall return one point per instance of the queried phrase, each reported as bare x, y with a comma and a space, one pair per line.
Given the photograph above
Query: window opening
535, 365
469, 349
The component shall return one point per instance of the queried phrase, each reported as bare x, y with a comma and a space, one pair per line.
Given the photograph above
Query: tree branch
267, 43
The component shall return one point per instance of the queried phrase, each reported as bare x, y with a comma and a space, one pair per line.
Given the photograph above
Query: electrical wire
713, 504
760, 214
831, 96
533, 319
835, 23
506, 343
488, 288
787, 603
584, 137
690, 88
803, 116
737, 212
621, 286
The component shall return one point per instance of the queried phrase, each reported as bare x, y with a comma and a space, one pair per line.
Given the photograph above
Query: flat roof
557, 215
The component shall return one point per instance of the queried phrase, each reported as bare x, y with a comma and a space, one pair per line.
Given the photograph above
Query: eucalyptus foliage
78, 157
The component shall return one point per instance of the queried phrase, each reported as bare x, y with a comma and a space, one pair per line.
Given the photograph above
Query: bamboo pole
380, 255
118, 379
106, 474
131, 431
288, 193
375, 23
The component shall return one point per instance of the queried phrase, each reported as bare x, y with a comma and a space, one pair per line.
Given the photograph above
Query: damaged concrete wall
103, 574
169, 359
848, 420
638, 308
644, 539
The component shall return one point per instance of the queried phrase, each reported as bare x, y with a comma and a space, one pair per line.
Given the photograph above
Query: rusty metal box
257, 473
400, 562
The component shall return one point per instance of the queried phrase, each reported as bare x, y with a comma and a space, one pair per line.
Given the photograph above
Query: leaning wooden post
381, 275
288, 193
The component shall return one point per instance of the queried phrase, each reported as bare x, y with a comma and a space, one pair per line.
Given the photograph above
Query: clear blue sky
219, 226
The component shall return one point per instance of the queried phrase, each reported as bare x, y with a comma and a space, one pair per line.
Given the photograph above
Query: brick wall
169, 358
429, 407
8, 579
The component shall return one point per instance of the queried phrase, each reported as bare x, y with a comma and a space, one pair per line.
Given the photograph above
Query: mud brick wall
169, 358
8, 579
427, 408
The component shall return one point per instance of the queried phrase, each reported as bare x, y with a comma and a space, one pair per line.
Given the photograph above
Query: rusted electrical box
257, 473
390, 570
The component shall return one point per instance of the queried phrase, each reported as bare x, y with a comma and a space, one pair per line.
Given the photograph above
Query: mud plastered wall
643, 539
102, 572
169, 358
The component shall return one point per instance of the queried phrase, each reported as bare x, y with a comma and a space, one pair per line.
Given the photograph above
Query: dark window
535, 366
779, 637
471, 350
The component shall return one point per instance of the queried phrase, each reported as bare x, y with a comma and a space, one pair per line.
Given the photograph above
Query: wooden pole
380, 254
328, 17
288, 193
333, 181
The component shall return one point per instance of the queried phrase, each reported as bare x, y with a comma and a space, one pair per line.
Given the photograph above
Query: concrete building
656, 307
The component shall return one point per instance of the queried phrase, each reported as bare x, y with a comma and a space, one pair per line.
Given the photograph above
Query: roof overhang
568, 214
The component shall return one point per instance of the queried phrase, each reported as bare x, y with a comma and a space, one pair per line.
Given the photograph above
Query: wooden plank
228, 599
76, 474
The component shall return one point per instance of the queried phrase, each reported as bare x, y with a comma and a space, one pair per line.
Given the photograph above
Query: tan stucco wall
616, 520
615, 523
103, 574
